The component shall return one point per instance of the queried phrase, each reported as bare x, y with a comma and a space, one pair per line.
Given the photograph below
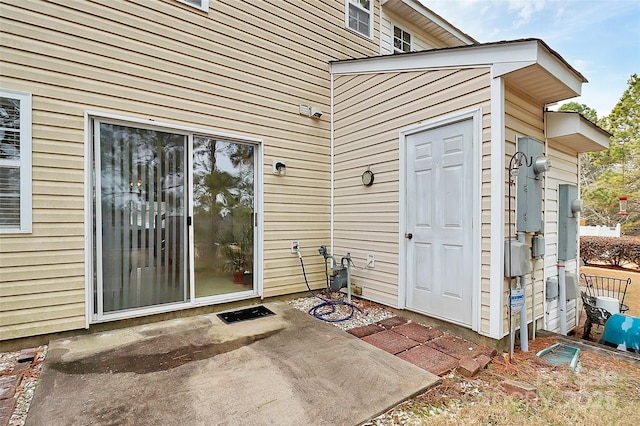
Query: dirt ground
604, 389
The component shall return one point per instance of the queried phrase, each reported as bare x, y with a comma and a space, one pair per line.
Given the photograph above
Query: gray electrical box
571, 283
537, 246
568, 208
519, 264
529, 186
552, 288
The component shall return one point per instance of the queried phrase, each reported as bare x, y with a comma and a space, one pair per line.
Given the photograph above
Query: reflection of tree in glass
223, 202
9, 129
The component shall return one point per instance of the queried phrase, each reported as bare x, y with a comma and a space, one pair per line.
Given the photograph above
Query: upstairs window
359, 16
15, 162
200, 4
401, 40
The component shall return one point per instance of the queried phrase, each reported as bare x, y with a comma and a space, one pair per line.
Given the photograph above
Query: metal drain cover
245, 314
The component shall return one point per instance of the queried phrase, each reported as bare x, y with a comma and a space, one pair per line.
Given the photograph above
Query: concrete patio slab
286, 369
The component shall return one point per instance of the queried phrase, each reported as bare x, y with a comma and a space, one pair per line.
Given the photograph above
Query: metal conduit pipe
562, 295
524, 330
533, 299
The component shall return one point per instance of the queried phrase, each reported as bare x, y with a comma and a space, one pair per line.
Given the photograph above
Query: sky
599, 38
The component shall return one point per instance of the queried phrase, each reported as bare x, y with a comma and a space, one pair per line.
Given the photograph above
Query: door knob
408, 235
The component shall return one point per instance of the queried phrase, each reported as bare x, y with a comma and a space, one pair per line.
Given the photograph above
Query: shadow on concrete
286, 369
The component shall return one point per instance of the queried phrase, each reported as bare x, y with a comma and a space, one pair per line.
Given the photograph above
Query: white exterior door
439, 212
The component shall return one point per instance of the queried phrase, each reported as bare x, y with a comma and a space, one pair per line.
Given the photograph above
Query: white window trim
393, 38
204, 4
346, 18
24, 162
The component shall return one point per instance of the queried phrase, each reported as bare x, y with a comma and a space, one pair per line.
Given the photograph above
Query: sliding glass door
173, 219
140, 256
223, 214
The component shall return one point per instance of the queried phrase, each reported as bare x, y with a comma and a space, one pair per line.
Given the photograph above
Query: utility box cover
572, 285
567, 222
552, 288
520, 262
529, 188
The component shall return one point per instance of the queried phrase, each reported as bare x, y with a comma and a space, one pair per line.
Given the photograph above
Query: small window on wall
200, 4
401, 40
359, 16
15, 162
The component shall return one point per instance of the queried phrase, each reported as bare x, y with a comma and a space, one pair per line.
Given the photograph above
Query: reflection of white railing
600, 231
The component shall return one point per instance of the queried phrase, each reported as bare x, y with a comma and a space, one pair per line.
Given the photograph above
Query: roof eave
575, 132
517, 61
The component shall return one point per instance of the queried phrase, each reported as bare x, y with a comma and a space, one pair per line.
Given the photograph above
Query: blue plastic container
622, 332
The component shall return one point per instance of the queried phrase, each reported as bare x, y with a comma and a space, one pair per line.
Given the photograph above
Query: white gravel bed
371, 312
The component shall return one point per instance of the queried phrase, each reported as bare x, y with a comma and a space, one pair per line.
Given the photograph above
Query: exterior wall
243, 68
525, 117
421, 41
564, 169
369, 110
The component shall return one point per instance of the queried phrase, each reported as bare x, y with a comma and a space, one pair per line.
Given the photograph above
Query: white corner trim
496, 286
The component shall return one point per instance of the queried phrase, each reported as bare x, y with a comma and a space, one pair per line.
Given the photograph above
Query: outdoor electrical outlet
295, 246
371, 261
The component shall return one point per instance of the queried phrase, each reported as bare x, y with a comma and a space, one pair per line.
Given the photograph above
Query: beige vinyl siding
419, 39
523, 117
564, 169
369, 111
242, 68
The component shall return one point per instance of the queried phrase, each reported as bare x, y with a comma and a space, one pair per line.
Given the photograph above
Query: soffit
428, 21
576, 132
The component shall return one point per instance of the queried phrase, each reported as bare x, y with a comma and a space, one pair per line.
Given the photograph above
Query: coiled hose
323, 310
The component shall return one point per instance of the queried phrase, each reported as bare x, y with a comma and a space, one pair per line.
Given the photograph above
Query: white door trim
476, 115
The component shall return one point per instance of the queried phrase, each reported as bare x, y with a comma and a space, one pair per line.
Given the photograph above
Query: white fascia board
503, 68
518, 54
559, 70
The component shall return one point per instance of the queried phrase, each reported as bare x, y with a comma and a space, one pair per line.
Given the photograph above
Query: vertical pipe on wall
562, 295
533, 299
524, 331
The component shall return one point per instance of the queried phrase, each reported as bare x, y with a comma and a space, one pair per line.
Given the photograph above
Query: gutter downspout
331, 173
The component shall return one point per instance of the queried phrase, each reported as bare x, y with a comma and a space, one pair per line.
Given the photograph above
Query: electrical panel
519, 264
529, 185
569, 205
